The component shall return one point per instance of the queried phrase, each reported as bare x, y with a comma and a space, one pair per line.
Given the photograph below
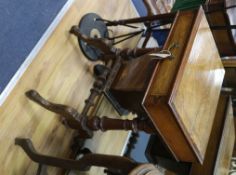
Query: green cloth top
186, 4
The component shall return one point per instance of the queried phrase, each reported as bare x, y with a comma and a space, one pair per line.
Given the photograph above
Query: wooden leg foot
118, 163
70, 116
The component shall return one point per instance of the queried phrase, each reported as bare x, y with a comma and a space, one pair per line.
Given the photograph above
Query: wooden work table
180, 94
61, 73
221, 143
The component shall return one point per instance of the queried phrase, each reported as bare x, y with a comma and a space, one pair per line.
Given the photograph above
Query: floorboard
62, 74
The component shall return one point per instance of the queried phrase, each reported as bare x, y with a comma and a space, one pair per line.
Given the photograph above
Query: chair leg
117, 163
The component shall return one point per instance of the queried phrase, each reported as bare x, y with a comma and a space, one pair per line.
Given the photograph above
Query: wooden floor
110, 142
61, 74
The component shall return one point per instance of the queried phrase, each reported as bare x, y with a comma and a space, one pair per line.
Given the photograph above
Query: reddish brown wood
117, 163
105, 123
217, 156
130, 85
86, 125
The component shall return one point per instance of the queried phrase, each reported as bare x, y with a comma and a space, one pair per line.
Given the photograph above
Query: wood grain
160, 84
183, 89
60, 73
109, 142
226, 147
221, 142
135, 74
165, 71
195, 97
208, 165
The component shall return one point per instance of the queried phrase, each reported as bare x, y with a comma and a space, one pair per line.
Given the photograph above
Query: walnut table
179, 95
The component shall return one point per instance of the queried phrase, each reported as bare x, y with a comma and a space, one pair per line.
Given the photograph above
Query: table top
190, 83
221, 143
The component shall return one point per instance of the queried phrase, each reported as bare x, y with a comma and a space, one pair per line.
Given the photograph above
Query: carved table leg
75, 121
105, 123
69, 115
119, 163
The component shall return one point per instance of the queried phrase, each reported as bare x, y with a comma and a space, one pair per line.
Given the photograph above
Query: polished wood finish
166, 97
182, 96
220, 146
217, 157
226, 147
195, 88
61, 73
135, 74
